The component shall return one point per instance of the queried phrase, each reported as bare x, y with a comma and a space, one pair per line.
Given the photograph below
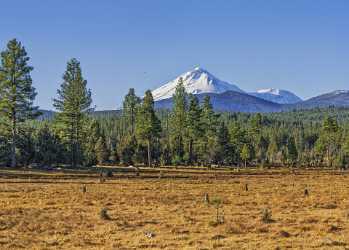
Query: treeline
191, 134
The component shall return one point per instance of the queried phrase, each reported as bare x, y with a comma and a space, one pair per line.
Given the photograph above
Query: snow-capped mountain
197, 81
277, 95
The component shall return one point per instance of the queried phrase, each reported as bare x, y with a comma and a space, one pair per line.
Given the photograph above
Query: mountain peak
277, 95
195, 81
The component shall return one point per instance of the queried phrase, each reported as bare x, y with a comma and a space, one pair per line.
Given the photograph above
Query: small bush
266, 216
104, 214
218, 204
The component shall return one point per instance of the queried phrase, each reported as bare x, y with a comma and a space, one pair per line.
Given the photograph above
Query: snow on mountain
196, 81
277, 95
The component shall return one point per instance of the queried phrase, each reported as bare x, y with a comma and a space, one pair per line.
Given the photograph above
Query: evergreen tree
48, 147
130, 104
101, 150
223, 148
273, 149
292, 153
178, 121
73, 103
148, 126
128, 150
194, 127
245, 154
94, 133
16, 91
210, 121
328, 142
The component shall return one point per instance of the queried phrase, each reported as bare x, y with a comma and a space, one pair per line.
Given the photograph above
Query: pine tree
209, 120
47, 146
178, 121
130, 104
194, 127
292, 153
148, 126
328, 142
245, 154
16, 91
273, 149
128, 149
223, 148
73, 103
94, 133
101, 150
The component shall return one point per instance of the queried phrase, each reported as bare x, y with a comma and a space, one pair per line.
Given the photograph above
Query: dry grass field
52, 211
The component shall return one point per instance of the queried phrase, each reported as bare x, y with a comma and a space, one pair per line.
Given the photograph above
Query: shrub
104, 214
266, 216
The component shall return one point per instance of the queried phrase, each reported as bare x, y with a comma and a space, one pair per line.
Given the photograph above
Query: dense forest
191, 134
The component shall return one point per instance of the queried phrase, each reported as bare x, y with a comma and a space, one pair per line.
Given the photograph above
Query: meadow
174, 209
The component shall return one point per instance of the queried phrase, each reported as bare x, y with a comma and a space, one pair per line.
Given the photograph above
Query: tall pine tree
73, 103
148, 126
178, 122
130, 104
16, 91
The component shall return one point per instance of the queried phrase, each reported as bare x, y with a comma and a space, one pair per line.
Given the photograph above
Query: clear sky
299, 45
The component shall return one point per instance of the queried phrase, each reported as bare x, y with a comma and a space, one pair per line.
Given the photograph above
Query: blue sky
299, 45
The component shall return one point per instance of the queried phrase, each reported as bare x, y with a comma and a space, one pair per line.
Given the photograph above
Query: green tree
223, 147
210, 121
148, 126
48, 146
194, 127
178, 121
101, 149
94, 133
128, 149
292, 153
16, 91
329, 139
130, 104
245, 154
73, 103
273, 149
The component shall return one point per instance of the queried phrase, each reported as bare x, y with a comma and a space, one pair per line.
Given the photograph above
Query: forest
190, 134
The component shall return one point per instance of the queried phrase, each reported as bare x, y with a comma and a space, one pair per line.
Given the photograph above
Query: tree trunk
190, 151
13, 142
149, 154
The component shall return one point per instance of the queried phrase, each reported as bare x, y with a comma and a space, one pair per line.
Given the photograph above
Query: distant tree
273, 149
194, 127
245, 154
16, 92
178, 121
223, 147
148, 126
94, 133
73, 103
262, 145
210, 122
292, 153
48, 147
328, 141
128, 148
101, 151
130, 104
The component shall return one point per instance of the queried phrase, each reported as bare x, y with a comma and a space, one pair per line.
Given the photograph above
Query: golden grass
170, 213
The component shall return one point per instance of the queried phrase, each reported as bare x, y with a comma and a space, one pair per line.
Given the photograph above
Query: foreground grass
171, 213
